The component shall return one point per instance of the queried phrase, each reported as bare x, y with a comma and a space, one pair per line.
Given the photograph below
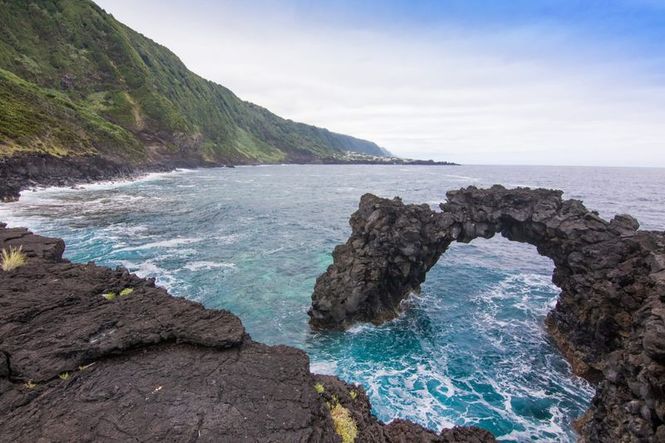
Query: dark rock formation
20, 172
610, 317
77, 364
388, 254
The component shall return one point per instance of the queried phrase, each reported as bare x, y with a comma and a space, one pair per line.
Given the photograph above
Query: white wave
323, 367
411, 391
165, 244
273, 251
125, 229
207, 265
149, 269
461, 177
230, 238
14, 221
360, 328
38, 192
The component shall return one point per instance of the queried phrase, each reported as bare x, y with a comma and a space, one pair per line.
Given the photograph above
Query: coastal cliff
89, 353
609, 320
84, 97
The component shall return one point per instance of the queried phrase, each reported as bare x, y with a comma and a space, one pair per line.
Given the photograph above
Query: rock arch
609, 320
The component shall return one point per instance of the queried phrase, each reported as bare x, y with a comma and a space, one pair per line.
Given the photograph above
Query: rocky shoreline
609, 320
21, 172
386, 161
89, 353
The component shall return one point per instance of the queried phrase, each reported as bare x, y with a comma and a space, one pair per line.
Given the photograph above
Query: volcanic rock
609, 320
89, 354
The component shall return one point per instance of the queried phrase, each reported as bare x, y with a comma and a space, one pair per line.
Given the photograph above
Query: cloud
535, 93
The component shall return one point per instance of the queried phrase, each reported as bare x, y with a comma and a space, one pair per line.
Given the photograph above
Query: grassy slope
35, 119
73, 80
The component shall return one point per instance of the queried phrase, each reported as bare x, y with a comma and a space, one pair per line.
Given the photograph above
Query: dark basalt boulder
32, 245
89, 354
609, 320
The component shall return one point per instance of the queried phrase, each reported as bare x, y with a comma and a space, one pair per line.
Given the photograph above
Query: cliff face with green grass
76, 82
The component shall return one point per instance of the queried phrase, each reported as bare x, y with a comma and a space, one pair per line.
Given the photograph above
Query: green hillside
75, 81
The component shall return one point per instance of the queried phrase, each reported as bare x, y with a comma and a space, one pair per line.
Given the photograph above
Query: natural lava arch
609, 320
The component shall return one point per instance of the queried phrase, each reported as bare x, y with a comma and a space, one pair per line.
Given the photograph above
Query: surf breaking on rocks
609, 320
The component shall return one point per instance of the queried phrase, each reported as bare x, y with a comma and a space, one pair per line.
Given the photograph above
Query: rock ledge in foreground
75, 366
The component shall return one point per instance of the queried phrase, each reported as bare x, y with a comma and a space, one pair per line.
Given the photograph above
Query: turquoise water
470, 350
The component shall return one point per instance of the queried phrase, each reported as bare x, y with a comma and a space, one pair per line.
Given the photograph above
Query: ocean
471, 349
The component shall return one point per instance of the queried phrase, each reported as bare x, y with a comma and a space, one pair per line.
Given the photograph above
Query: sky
478, 82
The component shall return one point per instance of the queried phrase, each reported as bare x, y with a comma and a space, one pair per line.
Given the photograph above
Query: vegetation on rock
345, 427
74, 81
13, 258
110, 296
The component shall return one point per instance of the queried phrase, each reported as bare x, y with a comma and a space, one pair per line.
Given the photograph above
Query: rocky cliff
89, 353
76, 84
609, 320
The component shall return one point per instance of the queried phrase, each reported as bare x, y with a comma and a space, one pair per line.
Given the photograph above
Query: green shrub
319, 388
125, 292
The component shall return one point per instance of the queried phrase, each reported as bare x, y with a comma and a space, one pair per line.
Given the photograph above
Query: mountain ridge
75, 82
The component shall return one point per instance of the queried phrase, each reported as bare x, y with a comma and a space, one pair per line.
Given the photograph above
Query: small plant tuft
110, 296
125, 292
13, 258
319, 388
30, 385
64, 376
344, 424
353, 394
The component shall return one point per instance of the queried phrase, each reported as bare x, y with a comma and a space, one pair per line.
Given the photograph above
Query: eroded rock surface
370, 429
145, 366
610, 317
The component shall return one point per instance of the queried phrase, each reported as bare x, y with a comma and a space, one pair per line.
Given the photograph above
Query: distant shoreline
392, 161
35, 171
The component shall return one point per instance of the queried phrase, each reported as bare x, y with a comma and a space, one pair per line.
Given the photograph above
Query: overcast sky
489, 82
